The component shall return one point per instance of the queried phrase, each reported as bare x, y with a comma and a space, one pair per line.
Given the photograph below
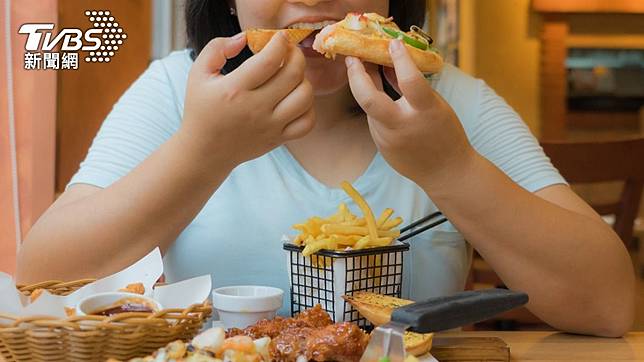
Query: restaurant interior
572, 69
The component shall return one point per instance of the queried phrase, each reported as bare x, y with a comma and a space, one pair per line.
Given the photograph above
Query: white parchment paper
146, 271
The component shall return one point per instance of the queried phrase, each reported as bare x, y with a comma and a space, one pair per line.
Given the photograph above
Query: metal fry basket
327, 275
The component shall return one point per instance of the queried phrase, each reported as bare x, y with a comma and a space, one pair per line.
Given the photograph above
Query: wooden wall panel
590, 6
34, 104
553, 77
88, 94
507, 54
7, 217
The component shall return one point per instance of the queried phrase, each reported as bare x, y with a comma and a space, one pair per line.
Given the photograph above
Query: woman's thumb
214, 55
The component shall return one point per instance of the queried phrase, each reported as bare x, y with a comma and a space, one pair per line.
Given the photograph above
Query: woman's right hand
227, 119
248, 112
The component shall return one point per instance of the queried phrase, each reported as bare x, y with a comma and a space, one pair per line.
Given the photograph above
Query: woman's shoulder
178, 60
460, 90
169, 73
452, 82
176, 65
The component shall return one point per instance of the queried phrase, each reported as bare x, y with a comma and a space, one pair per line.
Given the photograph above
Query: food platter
309, 336
347, 253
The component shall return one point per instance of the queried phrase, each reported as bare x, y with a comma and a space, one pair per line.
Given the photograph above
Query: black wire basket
325, 276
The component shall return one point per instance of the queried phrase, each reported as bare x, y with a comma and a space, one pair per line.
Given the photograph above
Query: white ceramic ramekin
243, 305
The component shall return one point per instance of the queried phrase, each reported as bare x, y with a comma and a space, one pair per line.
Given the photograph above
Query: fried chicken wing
342, 342
268, 328
311, 334
315, 317
290, 344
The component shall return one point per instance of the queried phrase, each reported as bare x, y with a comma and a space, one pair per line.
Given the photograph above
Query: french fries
384, 217
344, 230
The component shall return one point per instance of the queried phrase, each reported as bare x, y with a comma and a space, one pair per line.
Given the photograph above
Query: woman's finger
373, 101
261, 67
289, 77
413, 85
214, 55
300, 127
295, 104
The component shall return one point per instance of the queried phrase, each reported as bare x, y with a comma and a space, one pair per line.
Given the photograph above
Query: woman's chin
326, 76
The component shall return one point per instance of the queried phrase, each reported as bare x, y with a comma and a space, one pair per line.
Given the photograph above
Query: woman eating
213, 153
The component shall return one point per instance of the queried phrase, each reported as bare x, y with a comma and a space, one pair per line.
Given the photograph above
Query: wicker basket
94, 338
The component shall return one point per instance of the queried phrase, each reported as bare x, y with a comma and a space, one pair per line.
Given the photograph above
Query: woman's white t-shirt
237, 236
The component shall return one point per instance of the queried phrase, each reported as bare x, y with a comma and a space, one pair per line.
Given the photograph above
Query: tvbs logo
99, 43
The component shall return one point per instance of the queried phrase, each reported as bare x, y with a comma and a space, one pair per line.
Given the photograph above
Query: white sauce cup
243, 305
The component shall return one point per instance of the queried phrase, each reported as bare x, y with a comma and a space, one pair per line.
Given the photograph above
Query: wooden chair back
602, 161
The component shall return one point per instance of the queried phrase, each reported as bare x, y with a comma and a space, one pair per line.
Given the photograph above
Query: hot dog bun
258, 38
370, 46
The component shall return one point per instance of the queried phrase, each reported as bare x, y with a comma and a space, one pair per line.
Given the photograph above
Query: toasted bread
371, 49
418, 344
258, 38
367, 36
377, 309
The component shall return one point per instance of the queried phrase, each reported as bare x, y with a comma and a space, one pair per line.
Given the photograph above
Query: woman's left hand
419, 134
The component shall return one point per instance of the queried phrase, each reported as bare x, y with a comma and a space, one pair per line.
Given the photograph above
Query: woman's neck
335, 109
340, 146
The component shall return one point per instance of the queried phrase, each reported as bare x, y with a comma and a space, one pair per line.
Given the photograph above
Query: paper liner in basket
146, 271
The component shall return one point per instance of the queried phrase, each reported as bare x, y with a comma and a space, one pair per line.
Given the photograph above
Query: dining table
555, 346
552, 346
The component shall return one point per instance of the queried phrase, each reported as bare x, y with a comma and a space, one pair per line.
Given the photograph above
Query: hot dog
367, 36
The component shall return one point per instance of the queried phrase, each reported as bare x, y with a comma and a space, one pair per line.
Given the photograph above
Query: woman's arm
92, 232
550, 244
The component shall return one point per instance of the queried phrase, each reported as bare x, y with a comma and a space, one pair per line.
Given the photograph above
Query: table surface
556, 346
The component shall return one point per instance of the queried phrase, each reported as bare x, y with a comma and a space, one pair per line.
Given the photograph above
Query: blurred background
573, 69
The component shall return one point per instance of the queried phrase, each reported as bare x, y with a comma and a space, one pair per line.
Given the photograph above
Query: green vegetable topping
406, 38
384, 359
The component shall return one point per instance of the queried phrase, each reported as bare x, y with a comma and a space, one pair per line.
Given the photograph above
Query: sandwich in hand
296, 33
258, 38
367, 36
